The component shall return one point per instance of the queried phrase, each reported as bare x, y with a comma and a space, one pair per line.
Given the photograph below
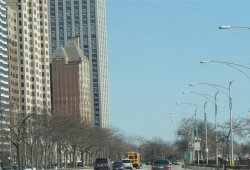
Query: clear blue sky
155, 48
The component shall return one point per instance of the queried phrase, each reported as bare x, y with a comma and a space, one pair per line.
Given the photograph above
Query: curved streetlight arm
224, 62
215, 86
172, 113
230, 64
216, 94
209, 84
230, 27
190, 104
240, 70
207, 96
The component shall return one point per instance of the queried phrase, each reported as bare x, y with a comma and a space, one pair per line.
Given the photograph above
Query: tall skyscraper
4, 85
29, 56
4, 81
85, 19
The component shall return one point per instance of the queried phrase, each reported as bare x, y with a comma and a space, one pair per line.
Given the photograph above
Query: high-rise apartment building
71, 82
4, 85
12, 15
29, 56
85, 19
4, 81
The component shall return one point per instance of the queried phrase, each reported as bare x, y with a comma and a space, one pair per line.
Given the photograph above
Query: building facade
85, 19
29, 45
4, 85
71, 83
12, 15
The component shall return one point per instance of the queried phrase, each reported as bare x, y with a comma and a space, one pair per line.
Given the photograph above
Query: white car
127, 163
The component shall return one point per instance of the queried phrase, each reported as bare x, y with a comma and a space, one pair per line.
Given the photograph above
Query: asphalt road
175, 167
144, 167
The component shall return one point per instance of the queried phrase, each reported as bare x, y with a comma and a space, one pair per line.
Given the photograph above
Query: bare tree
18, 132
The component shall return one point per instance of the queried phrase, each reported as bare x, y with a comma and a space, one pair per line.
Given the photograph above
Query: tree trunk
49, 159
74, 156
66, 161
31, 150
18, 155
60, 157
82, 158
70, 158
45, 158
41, 158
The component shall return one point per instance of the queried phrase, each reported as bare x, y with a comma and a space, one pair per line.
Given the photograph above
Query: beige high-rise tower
30, 61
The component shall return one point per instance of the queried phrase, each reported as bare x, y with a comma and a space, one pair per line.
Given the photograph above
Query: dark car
161, 164
103, 164
7, 168
118, 165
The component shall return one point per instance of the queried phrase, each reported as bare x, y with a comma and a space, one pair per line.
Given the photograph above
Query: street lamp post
196, 130
205, 119
216, 134
235, 66
218, 87
231, 123
215, 115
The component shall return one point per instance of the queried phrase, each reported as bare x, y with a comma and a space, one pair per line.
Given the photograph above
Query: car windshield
161, 162
101, 161
126, 161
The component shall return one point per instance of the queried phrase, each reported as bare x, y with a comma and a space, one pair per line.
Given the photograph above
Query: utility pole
231, 123
205, 119
216, 135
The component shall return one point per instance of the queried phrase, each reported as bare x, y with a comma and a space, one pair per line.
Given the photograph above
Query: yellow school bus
135, 158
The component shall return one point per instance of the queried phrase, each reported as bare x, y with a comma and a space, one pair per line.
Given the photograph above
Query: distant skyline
155, 49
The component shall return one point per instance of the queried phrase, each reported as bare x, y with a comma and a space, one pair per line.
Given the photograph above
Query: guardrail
220, 167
